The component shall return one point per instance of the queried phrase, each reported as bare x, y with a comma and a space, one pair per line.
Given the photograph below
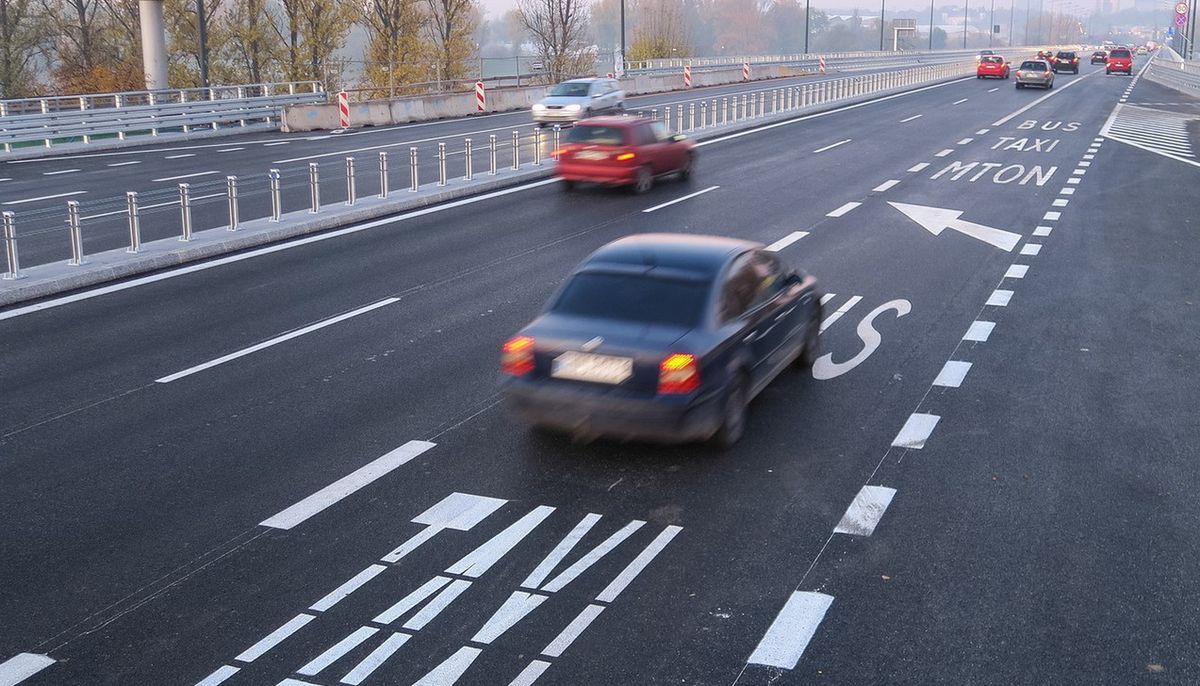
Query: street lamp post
966, 19
622, 38
991, 23
882, 14
807, 14
931, 24
202, 34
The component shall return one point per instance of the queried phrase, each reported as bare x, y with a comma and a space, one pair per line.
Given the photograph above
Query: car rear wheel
568, 185
685, 172
733, 418
643, 181
812, 346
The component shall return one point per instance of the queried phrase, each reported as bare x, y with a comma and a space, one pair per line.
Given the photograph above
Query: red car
623, 151
1119, 59
992, 66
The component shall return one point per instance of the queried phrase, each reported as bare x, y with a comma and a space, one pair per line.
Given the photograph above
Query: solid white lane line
20, 667
865, 511
1031, 249
62, 171
414, 598
965, 141
449, 672
1052, 216
560, 552
831, 147
440, 602
1016, 271
886, 185
999, 298
218, 677
531, 673
123, 164
689, 196
1067, 191
276, 341
592, 557
943, 153
375, 660
185, 176
3, 180
644, 558
1042, 231
918, 167
841, 311
271, 145
916, 431
993, 90
908, 119
478, 561
786, 241
44, 197
347, 588
230, 149
518, 605
572, 631
1035, 103
346, 486
979, 331
952, 374
274, 638
179, 157
843, 209
1060, 202
959, 102
337, 651
789, 635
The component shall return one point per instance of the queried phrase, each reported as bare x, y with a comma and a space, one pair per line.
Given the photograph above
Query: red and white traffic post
745, 71
343, 109
687, 76
480, 96
821, 63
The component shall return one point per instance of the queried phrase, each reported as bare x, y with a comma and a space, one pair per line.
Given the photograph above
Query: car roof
586, 79
702, 255
621, 120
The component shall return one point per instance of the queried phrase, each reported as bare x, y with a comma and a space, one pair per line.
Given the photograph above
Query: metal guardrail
1181, 76
833, 61
95, 101
120, 120
534, 148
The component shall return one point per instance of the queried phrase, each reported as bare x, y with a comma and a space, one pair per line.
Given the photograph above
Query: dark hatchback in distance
662, 337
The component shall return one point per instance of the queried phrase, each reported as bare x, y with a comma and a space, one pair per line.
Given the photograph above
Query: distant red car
623, 151
992, 66
1119, 59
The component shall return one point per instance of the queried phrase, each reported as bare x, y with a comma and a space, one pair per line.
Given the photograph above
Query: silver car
1035, 73
578, 99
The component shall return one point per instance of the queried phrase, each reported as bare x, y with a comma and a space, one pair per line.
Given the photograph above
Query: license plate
591, 155
594, 368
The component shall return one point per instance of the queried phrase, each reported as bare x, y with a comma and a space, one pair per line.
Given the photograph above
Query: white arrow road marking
936, 219
458, 511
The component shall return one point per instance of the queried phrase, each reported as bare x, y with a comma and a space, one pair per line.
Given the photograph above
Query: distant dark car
623, 151
1099, 57
1066, 60
662, 337
1120, 60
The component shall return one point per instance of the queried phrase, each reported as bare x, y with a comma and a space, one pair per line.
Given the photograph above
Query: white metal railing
94, 101
237, 105
1181, 76
835, 60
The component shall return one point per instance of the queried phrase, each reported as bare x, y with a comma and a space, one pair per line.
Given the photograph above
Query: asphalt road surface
293, 468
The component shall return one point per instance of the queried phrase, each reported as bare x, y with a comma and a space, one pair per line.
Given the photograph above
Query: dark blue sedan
663, 337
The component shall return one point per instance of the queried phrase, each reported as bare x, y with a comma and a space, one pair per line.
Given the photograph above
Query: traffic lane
195, 322
1107, 462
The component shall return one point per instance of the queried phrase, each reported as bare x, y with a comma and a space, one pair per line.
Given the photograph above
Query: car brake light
625, 156
517, 357
678, 373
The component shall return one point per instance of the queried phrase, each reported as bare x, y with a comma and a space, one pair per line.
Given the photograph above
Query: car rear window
596, 135
993, 60
1032, 65
1119, 53
633, 298
571, 90
1067, 55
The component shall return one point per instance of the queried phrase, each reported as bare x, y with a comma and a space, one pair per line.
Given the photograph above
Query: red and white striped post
344, 109
687, 76
745, 71
821, 63
480, 96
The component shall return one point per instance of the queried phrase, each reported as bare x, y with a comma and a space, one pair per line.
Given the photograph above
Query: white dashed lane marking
915, 116
786, 241
886, 185
62, 171
832, 146
952, 374
916, 431
843, 209
1016, 271
785, 641
1042, 231
999, 298
979, 331
1031, 249
918, 167
865, 511
943, 153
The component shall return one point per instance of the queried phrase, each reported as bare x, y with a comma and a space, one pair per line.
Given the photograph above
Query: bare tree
394, 46
315, 30
94, 50
661, 31
22, 34
450, 25
252, 47
183, 28
559, 32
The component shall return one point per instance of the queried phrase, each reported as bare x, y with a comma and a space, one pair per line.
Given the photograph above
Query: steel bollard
775, 101
383, 174
76, 235
492, 154
185, 212
714, 111
691, 116
537, 147
469, 160
724, 110
351, 189
412, 170
10, 247
762, 104
441, 163
654, 114
667, 117
703, 114
557, 133
679, 117
276, 201
231, 198
135, 226
314, 188
516, 135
